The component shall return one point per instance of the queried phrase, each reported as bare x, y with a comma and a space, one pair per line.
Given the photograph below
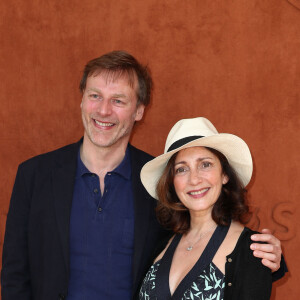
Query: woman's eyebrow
198, 159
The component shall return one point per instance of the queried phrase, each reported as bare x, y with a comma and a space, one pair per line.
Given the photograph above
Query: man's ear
139, 112
81, 102
82, 99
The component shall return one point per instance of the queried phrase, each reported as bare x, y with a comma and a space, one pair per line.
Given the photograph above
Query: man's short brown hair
116, 64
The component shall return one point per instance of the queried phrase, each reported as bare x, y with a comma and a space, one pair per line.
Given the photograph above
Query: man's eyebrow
100, 92
93, 90
119, 95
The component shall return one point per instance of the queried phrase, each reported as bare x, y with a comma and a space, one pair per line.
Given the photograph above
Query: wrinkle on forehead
113, 75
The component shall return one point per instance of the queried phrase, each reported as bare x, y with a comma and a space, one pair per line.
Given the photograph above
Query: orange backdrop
235, 62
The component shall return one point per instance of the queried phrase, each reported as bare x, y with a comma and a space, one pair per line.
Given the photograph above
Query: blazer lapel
63, 185
142, 209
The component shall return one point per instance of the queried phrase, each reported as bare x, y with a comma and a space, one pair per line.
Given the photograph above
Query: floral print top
208, 285
204, 281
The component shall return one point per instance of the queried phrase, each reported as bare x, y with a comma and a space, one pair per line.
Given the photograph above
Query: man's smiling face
109, 109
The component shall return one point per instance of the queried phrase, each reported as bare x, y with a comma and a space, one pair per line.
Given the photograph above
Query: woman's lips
200, 192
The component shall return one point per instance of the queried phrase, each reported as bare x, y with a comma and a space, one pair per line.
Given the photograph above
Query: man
80, 224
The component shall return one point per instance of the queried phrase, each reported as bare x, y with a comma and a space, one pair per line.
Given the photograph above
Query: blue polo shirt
101, 235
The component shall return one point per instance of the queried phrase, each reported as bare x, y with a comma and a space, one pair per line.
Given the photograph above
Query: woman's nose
195, 177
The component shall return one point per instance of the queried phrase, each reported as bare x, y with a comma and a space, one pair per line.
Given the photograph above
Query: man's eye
117, 101
94, 96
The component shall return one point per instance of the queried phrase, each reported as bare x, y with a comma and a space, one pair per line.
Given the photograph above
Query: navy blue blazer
36, 244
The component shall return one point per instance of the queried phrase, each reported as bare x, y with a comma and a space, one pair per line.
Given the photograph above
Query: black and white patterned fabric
204, 281
208, 286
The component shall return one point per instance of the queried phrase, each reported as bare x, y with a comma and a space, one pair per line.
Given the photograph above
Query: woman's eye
180, 170
206, 164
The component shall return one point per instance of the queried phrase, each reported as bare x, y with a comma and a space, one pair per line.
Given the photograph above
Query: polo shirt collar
123, 169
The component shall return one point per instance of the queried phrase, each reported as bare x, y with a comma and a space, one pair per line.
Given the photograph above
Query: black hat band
183, 141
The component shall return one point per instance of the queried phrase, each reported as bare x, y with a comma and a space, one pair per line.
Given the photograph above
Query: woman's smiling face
198, 179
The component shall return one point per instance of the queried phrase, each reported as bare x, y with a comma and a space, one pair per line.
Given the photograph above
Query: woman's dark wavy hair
231, 204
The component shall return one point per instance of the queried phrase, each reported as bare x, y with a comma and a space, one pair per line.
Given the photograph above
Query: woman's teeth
198, 192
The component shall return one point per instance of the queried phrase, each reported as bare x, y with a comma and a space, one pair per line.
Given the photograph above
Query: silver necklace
189, 248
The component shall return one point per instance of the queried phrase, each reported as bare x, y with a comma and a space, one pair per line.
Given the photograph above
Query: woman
200, 183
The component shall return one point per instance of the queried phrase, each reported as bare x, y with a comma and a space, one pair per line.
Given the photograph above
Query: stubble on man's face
109, 110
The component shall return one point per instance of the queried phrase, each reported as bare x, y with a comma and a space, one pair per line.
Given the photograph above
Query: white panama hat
195, 132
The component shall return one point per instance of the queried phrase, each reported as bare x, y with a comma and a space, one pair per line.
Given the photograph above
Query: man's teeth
103, 124
199, 192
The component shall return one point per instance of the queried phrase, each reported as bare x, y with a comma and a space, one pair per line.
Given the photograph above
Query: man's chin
106, 143
102, 141
103, 144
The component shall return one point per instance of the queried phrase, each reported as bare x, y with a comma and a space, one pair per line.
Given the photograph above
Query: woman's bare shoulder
235, 229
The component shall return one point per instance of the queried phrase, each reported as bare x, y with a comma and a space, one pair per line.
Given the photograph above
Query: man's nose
104, 107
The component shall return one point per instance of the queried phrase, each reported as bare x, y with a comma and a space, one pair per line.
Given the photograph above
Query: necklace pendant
189, 248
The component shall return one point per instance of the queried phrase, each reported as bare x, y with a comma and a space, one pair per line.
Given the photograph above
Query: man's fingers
270, 253
264, 255
267, 238
268, 259
266, 248
273, 266
265, 230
